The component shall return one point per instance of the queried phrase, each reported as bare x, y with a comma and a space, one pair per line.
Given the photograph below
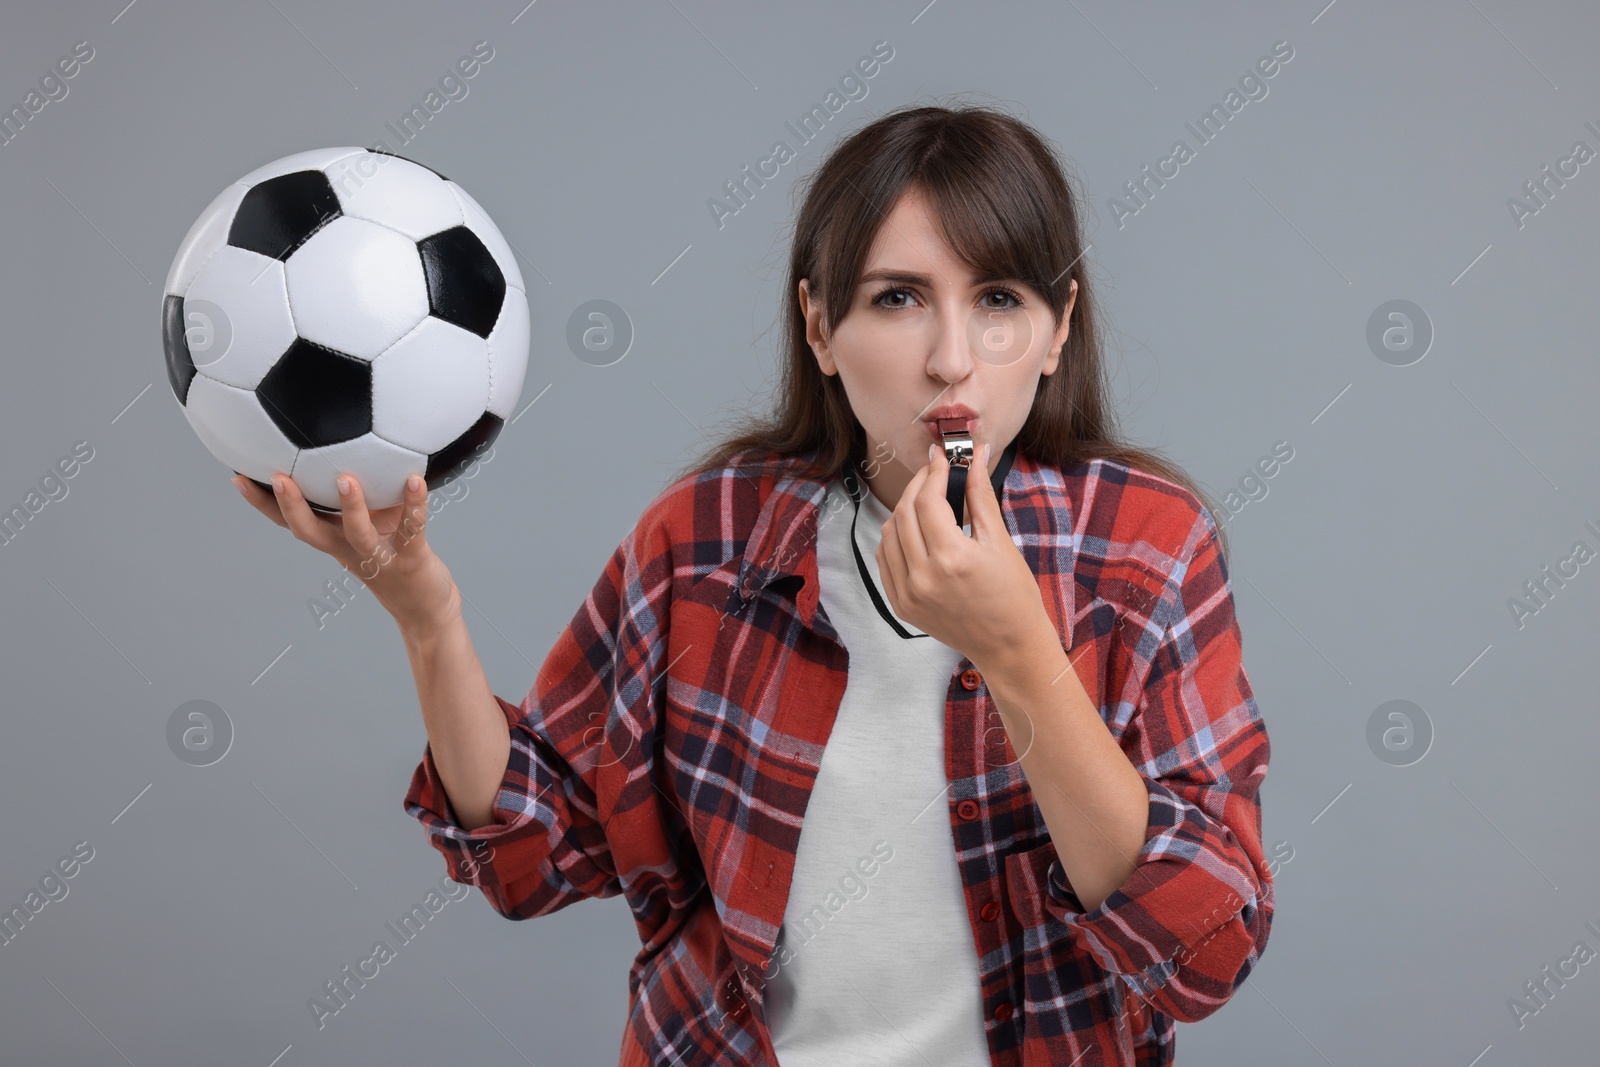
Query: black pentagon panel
318, 396
180, 364
408, 159
465, 285
457, 456
277, 216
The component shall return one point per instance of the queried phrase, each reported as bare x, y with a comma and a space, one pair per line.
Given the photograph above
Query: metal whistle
958, 450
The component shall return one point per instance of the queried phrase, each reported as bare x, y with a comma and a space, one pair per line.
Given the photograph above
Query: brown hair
1005, 206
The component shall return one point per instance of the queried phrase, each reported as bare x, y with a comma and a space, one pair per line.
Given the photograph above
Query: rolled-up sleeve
564, 816
1192, 919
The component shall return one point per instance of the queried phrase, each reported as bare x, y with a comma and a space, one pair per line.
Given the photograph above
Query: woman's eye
888, 298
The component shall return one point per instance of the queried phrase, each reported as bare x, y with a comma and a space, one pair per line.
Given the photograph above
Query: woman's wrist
1039, 648
426, 633
426, 622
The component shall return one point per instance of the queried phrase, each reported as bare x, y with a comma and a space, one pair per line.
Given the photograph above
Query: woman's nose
950, 357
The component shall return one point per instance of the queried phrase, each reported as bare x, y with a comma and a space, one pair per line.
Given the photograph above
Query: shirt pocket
1107, 641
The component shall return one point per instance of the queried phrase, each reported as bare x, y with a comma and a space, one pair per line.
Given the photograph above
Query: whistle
958, 450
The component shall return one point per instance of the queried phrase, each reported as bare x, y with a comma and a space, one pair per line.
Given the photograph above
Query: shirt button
990, 911
971, 679
967, 809
1002, 1011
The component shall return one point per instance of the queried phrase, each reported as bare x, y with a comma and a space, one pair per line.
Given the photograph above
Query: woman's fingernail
414, 484
933, 453
238, 484
277, 485
344, 486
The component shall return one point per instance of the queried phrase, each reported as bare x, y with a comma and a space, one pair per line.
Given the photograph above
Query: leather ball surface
345, 310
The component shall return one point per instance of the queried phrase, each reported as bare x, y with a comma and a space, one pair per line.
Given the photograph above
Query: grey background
1418, 899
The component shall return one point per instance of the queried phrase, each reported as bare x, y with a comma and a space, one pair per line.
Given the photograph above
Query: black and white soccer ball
345, 310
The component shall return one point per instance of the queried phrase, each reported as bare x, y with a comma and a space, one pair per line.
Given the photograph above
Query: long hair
1008, 209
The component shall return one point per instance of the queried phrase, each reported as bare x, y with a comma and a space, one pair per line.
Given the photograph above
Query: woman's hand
975, 594
386, 548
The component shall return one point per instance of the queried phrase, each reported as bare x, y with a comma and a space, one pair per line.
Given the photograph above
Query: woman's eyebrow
904, 277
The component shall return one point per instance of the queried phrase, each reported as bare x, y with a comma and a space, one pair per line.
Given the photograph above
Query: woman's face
922, 334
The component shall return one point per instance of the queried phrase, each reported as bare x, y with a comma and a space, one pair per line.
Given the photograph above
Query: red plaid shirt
672, 737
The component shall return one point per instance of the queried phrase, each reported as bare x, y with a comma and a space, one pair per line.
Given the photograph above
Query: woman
989, 799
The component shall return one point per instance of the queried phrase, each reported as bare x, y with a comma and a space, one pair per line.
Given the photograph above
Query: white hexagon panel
236, 429
240, 345
356, 287
394, 192
424, 387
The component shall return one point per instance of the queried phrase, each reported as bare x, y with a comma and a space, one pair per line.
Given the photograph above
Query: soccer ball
345, 310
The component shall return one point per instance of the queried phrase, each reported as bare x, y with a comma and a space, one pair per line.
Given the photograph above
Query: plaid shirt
672, 737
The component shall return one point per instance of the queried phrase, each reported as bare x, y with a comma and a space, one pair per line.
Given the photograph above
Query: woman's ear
1052, 359
812, 310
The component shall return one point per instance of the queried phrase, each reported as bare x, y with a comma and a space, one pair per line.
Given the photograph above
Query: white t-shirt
882, 968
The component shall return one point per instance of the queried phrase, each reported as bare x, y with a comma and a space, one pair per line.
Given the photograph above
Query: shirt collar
783, 541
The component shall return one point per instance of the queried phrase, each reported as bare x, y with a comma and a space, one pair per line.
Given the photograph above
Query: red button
967, 809
1002, 1011
971, 679
990, 911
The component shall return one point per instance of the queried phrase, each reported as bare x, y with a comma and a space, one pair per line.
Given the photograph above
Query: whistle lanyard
956, 490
